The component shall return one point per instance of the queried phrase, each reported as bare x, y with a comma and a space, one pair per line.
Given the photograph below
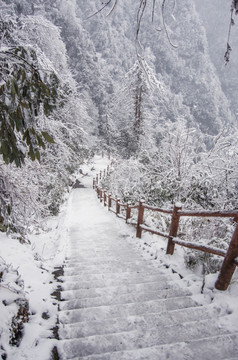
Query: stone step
116, 290
161, 352
106, 272
117, 261
114, 325
101, 248
117, 266
126, 277
142, 338
92, 258
104, 241
87, 283
124, 310
83, 254
97, 246
223, 347
147, 294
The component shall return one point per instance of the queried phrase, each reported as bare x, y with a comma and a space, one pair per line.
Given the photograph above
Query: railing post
100, 194
128, 211
228, 267
108, 169
117, 206
100, 175
173, 229
97, 179
140, 219
93, 183
109, 201
104, 172
105, 198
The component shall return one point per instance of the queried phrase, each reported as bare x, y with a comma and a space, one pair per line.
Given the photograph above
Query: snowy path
119, 305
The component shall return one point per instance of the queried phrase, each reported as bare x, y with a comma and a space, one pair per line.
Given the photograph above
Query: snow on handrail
154, 208
202, 247
154, 231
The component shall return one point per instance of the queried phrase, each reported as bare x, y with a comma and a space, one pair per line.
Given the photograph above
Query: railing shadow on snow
124, 211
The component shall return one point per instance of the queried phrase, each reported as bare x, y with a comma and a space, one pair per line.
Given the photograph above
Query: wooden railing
124, 211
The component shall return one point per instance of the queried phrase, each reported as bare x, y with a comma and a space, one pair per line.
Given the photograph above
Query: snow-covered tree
51, 122
135, 110
27, 91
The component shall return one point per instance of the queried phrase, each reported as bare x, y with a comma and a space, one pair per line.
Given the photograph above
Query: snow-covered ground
26, 274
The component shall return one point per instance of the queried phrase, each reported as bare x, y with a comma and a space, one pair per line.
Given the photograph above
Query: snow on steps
136, 315
118, 306
218, 348
108, 300
129, 323
121, 310
140, 338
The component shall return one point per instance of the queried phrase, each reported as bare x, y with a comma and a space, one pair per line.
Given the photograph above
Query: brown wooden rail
208, 213
230, 256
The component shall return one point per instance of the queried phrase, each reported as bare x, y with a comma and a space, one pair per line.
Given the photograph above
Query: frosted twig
140, 14
165, 26
101, 9
113, 7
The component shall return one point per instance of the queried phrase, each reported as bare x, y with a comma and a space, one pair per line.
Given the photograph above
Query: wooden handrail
134, 206
140, 219
153, 231
154, 208
118, 208
228, 266
128, 212
203, 248
122, 204
208, 213
230, 257
173, 229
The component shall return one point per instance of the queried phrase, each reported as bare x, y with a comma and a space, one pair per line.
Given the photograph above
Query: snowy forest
143, 81
75, 81
147, 86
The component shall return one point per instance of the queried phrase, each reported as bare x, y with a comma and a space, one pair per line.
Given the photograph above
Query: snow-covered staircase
116, 305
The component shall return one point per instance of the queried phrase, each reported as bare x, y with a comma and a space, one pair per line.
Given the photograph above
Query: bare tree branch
234, 6
140, 14
101, 9
113, 7
165, 26
153, 11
